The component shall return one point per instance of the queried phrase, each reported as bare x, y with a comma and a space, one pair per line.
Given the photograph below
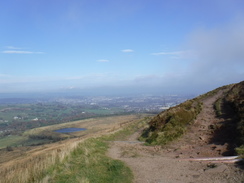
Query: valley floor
175, 163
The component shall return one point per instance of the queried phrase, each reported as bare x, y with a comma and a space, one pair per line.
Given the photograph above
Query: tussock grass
31, 168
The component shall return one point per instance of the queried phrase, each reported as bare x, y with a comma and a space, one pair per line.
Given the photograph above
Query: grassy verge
89, 163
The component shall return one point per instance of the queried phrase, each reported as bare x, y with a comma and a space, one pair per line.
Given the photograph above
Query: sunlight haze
167, 46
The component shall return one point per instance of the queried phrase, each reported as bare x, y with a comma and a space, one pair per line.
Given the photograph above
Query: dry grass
89, 163
32, 166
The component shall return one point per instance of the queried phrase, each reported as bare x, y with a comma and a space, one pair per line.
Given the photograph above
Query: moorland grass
36, 165
89, 163
171, 124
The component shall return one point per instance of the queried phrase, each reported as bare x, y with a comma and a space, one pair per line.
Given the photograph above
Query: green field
11, 140
103, 111
46, 134
50, 111
18, 118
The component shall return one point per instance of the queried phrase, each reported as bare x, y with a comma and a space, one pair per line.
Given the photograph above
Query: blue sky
146, 45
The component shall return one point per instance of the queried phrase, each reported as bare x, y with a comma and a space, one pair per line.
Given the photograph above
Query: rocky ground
179, 161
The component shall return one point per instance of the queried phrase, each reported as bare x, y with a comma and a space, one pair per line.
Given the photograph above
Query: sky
144, 46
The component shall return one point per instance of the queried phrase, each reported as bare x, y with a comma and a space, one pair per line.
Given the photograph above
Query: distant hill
226, 126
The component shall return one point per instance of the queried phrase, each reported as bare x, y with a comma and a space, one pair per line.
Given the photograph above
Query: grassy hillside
56, 162
46, 134
231, 106
173, 123
89, 162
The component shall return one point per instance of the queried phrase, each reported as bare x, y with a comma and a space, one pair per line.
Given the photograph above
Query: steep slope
208, 135
170, 125
231, 108
173, 123
214, 119
212, 128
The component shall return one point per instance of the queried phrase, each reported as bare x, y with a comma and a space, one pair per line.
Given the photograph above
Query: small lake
70, 130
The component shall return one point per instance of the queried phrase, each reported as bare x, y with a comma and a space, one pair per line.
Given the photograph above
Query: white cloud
103, 60
18, 50
189, 54
169, 53
21, 52
13, 48
212, 58
219, 50
127, 50
219, 57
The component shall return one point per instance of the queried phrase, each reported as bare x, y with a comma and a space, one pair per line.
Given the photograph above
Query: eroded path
172, 164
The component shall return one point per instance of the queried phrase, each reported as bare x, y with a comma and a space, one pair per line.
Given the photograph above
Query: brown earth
209, 136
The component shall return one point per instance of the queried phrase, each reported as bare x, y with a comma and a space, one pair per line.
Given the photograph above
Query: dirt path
172, 164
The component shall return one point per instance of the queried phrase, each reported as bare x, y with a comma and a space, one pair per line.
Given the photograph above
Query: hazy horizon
123, 47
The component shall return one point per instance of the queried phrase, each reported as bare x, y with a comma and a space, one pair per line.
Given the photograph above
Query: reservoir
70, 130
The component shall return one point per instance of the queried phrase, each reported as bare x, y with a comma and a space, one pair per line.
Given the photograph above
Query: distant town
20, 114
139, 104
